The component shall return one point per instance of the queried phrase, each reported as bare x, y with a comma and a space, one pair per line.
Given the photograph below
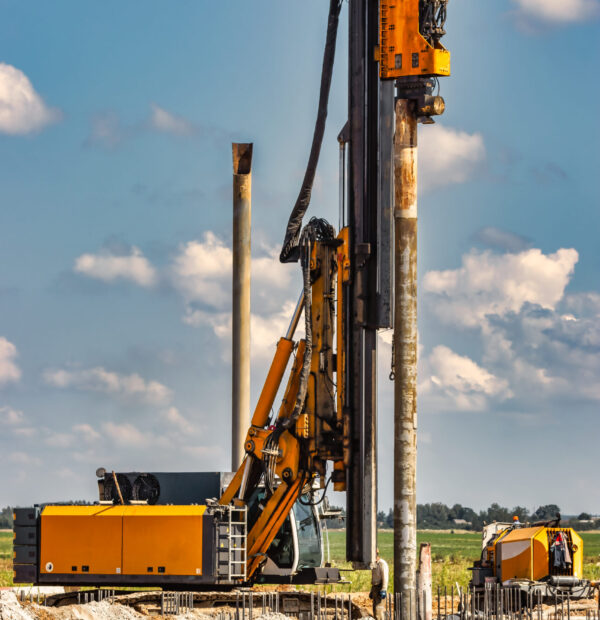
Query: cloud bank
167, 122
22, 110
108, 267
539, 346
9, 371
98, 379
489, 283
556, 11
448, 156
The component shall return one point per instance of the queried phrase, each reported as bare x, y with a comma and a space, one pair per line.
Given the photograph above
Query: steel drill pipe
405, 347
240, 336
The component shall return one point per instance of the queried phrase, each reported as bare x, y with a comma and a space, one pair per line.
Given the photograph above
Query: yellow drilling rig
201, 530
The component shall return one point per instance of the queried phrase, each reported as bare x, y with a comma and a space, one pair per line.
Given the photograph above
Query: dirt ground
139, 605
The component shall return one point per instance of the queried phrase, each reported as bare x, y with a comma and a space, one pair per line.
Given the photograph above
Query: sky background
116, 123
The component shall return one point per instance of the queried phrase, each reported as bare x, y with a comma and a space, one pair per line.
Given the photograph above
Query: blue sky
115, 227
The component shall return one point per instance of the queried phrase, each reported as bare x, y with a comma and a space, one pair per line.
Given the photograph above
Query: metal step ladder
237, 536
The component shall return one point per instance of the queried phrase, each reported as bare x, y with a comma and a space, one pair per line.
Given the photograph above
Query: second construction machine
539, 560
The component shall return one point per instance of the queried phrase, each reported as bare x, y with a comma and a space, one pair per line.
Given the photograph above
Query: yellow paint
162, 536
525, 553
343, 278
577, 554
77, 536
517, 553
272, 383
113, 540
402, 49
291, 392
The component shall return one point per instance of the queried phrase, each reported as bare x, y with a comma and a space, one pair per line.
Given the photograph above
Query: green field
452, 555
6, 539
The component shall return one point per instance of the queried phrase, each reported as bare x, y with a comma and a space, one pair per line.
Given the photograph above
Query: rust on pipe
405, 347
424, 583
240, 336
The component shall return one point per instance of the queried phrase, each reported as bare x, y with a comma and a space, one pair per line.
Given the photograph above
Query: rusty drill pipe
405, 347
424, 583
240, 336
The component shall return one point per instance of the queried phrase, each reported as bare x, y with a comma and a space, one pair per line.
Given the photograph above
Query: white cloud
490, 283
457, 382
11, 416
448, 156
265, 329
22, 110
87, 432
161, 120
127, 387
58, 440
547, 354
557, 11
23, 458
108, 266
536, 342
174, 419
108, 131
126, 434
9, 371
202, 272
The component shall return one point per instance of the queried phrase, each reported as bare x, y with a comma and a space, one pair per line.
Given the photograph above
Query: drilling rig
199, 531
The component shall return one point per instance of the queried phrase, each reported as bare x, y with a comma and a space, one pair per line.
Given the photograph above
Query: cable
290, 250
322, 496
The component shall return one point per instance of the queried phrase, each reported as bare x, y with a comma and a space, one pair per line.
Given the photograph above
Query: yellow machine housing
524, 553
403, 51
111, 541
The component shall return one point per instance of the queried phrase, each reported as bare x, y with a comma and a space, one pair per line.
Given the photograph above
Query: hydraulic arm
289, 451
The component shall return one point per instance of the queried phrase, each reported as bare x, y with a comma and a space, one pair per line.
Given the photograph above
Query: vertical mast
240, 388
369, 295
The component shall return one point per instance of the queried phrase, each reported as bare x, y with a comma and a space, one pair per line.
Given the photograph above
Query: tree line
6, 518
438, 516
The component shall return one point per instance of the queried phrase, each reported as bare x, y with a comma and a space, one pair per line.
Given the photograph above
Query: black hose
320, 500
290, 250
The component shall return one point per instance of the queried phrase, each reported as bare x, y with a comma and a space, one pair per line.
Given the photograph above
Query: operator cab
297, 547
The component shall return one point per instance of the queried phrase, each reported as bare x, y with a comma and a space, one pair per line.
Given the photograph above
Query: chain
392, 373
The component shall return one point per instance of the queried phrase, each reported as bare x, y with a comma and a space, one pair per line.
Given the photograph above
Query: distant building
461, 522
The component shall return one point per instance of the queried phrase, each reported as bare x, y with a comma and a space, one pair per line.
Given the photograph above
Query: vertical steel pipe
405, 347
424, 583
242, 210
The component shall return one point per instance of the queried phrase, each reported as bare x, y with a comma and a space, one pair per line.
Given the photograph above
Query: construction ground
283, 604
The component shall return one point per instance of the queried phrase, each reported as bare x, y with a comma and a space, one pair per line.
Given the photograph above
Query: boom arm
289, 453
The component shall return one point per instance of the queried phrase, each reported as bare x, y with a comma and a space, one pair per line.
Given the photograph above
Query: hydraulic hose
290, 252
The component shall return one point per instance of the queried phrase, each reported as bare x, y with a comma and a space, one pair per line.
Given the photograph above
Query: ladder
236, 534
